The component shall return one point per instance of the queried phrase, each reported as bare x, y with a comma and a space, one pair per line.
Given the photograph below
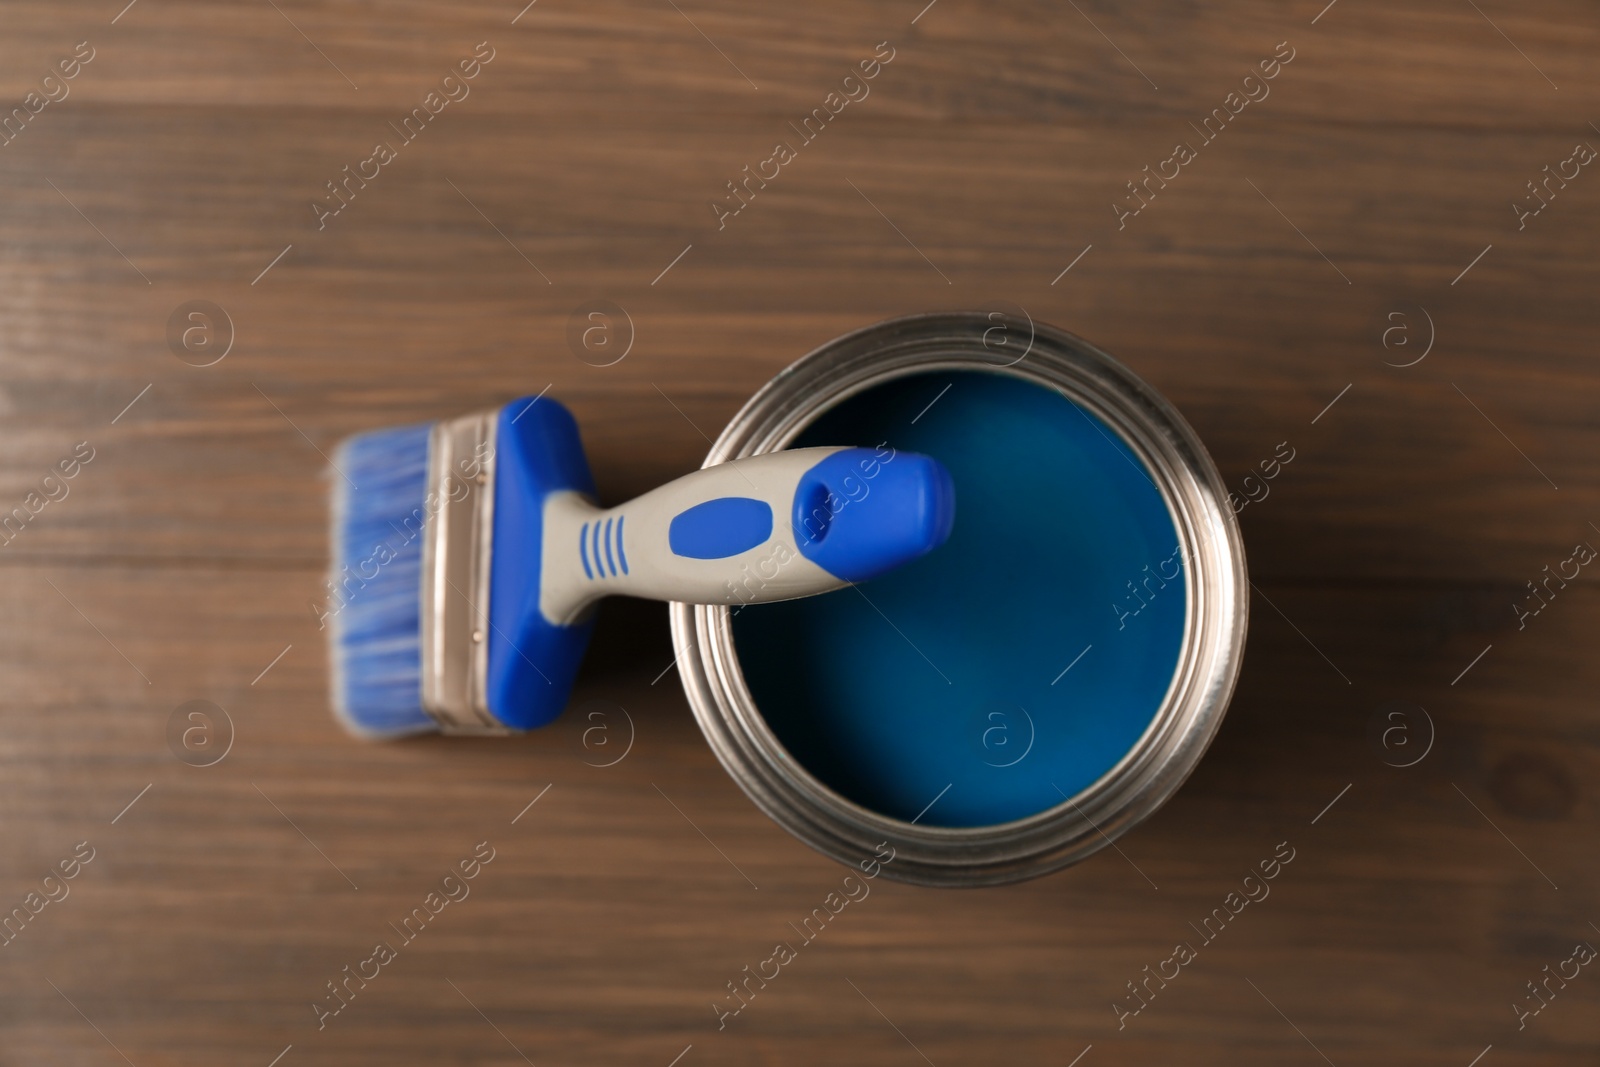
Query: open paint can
1015, 700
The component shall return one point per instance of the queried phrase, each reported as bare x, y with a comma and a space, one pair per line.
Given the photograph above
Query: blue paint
857, 517
933, 677
717, 529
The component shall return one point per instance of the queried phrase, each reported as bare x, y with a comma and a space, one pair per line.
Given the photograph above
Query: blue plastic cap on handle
862, 512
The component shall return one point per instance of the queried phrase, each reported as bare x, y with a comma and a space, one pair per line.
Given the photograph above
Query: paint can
1205, 614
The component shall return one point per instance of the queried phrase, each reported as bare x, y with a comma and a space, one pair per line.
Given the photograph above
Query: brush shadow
632, 640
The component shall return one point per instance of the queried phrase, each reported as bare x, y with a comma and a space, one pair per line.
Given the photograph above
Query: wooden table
1365, 199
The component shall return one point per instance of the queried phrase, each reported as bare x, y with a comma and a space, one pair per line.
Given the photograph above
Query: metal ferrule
456, 555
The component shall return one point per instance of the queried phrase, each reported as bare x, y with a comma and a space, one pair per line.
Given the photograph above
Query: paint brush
468, 556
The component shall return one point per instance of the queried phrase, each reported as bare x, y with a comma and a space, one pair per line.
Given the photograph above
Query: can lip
1217, 606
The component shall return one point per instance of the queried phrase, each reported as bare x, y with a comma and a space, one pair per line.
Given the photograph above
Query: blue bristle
379, 523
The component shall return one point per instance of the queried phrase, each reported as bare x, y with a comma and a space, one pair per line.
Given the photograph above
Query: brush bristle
375, 599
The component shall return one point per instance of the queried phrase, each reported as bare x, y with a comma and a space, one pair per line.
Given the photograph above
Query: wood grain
1253, 290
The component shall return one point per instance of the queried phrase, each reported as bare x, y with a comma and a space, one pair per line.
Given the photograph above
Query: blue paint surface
948, 671
717, 529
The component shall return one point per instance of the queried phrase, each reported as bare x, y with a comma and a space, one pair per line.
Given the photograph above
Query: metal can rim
1217, 607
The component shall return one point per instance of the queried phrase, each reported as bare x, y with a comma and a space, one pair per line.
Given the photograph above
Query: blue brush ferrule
532, 663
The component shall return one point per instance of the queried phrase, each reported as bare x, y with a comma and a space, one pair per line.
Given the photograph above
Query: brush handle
770, 527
